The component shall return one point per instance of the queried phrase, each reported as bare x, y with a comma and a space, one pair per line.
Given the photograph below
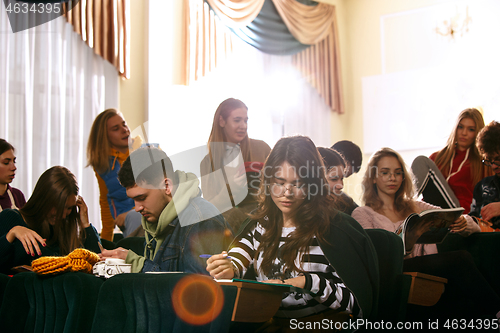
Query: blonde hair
98, 145
403, 202
216, 152
445, 155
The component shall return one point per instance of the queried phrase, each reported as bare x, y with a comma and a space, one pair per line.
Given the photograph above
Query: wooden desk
425, 289
256, 302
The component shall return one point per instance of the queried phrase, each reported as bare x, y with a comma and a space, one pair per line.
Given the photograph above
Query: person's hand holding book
459, 225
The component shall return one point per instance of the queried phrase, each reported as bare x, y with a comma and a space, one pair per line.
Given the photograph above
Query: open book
429, 227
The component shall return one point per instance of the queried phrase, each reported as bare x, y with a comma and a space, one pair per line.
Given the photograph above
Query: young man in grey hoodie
179, 224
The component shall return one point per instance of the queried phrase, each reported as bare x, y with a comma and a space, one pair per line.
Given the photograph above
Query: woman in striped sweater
290, 239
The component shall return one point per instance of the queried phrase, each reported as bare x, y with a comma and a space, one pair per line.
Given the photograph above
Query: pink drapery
104, 25
312, 25
320, 66
308, 24
207, 43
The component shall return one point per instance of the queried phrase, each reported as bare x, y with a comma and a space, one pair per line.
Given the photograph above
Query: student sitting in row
486, 200
107, 148
54, 221
335, 172
388, 196
179, 225
223, 177
297, 237
448, 178
10, 197
352, 155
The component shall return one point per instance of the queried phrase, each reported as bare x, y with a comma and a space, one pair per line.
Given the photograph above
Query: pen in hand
209, 255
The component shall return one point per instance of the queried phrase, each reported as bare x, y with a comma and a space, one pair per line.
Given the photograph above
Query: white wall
397, 71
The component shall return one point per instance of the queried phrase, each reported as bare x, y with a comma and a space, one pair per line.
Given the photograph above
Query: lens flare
197, 299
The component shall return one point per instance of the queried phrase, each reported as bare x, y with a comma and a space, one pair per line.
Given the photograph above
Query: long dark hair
334, 159
5, 146
52, 190
312, 218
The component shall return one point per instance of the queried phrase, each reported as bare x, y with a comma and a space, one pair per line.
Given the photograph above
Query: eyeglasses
279, 190
385, 175
490, 163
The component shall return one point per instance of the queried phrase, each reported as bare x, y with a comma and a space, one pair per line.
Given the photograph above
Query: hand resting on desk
119, 253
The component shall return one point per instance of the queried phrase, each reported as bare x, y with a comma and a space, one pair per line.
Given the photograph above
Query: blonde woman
388, 193
107, 149
459, 163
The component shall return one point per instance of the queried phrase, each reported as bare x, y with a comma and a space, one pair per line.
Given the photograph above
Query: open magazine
429, 227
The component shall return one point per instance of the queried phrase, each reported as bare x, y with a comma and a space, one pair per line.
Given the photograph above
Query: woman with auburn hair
294, 238
388, 193
10, 197
54, 221
230, 152
107, 149
459, 163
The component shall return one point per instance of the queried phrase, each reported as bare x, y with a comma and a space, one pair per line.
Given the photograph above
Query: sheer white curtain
280, 102
52, 86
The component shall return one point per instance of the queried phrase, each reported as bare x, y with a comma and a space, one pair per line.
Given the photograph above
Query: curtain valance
309, 24
104, 25
269, 34
236, 13
304, 29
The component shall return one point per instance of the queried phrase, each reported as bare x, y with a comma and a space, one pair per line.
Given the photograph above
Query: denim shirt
181, 249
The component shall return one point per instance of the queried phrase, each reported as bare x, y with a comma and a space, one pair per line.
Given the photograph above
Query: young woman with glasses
296, 237
486, 199
459, 163
388, 197
388, 193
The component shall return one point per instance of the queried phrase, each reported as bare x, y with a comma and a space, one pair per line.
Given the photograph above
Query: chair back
394, 285
170, 302
4, 279
61, 303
